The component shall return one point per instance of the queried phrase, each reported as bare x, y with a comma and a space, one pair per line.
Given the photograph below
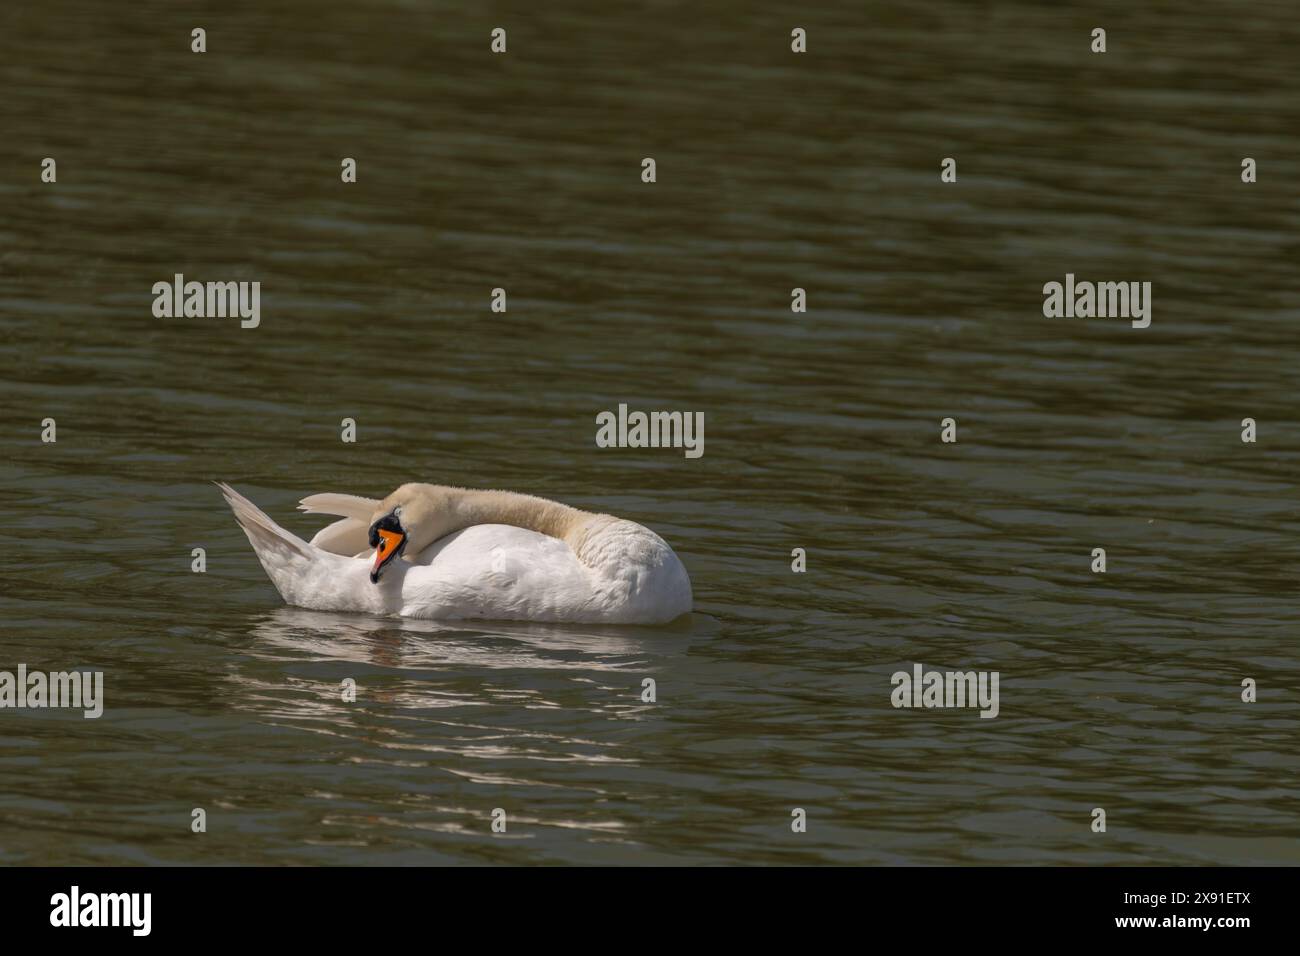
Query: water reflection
445, 690
414, 643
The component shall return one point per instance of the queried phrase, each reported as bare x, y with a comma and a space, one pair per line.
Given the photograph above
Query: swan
435, 551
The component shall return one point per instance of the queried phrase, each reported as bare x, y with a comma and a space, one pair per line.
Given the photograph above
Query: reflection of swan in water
453, 691
455, 717
290, 633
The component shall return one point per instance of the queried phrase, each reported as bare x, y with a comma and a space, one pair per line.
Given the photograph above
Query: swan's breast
635, 568
496, 571
615, 572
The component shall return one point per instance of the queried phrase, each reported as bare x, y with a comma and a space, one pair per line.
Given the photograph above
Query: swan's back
622, 574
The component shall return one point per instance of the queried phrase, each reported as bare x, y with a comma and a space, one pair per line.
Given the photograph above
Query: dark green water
775, 170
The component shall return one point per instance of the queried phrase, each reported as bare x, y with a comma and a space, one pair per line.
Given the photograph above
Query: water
774, 171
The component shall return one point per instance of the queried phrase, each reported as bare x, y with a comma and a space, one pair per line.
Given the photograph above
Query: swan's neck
521, 511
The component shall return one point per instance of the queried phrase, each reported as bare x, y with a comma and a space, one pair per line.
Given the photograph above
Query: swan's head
388, 538
410, 519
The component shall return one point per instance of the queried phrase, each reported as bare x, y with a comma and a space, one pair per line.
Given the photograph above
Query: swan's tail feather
341, 506
304, 575
269, 540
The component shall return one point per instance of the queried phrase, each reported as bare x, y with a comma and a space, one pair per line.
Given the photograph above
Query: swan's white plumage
347, 536
610, 570
343, 506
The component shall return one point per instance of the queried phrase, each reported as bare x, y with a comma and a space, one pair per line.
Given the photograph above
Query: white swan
433, 551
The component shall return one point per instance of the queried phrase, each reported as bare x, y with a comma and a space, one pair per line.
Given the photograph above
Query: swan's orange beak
390, 543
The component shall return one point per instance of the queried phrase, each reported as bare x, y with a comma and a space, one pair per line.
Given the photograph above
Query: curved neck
551, 518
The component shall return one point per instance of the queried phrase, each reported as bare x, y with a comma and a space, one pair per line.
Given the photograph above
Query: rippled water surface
775, 171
